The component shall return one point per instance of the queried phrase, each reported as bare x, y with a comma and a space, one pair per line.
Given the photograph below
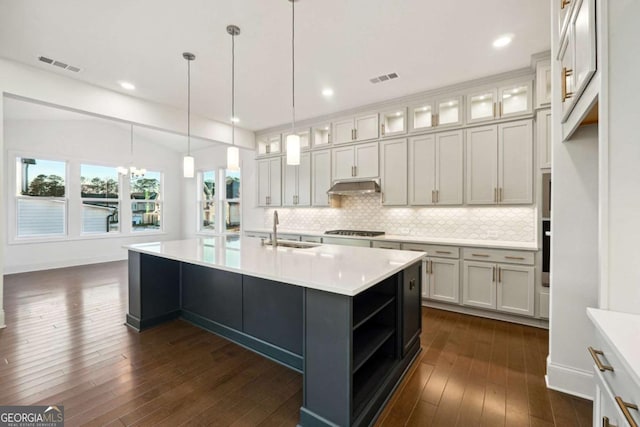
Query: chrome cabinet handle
594, 355
624, 407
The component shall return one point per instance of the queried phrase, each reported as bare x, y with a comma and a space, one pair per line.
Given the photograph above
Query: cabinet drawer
498, 255
433, 250
311, 239
385, 245
618, 379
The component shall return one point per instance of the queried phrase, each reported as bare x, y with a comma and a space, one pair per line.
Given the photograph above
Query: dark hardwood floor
65, 343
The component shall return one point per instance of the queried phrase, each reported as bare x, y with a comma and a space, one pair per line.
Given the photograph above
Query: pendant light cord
293, 65
188, 107
233, 89
131, 140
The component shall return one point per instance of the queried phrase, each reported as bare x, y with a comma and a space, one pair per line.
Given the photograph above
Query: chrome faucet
274, 238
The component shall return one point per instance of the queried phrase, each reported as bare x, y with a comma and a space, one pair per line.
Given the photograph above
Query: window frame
117, 200
220, 199
200, 201
158, 200
224, 201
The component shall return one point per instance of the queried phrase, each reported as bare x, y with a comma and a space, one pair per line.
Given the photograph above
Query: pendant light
293, 140
233, 153
131, 170
188, 163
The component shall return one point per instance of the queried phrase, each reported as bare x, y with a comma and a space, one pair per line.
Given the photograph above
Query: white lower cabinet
504, 287
443, 279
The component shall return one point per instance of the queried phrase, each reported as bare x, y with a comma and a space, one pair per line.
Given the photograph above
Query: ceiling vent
384, 78
59, 64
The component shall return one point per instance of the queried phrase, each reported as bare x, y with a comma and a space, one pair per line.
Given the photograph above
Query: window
207, 201
100, 190
41, 205
146, 205
232, 202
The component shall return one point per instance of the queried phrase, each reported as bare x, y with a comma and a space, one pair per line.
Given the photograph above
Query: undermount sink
290, 244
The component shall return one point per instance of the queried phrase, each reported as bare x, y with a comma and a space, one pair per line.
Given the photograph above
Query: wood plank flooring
66, 343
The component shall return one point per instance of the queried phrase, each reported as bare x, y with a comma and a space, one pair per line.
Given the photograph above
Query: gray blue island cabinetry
347, 318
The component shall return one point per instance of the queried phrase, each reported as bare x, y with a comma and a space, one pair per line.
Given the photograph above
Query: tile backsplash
365, 212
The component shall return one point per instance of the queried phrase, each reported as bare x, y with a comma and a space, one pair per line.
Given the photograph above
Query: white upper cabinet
393, 122
269, 182
305, 138
504, 102
500, 164
437, 113
321, 135
321, 177
393, 165
359, 128
543, 83
577, 55
436, 169
269, 144
297, 182
358, 161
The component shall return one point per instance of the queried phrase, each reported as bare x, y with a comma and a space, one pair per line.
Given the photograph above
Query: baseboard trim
62, 264
567, 379
2, 324
528, 321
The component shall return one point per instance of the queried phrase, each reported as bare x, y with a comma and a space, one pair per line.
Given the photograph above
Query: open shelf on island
367, 342
369, 378
368, 305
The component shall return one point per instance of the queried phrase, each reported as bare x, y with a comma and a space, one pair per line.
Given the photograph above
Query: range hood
352, 188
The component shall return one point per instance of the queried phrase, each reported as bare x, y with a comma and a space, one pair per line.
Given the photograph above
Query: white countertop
496, 244
622, 331
339, 269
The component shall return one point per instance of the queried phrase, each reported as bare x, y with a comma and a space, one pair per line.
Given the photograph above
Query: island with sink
347, 318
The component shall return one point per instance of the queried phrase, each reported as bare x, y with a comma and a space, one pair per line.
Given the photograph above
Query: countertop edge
516, 246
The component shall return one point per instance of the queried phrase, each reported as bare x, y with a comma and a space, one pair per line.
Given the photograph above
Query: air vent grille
59, 64
384, 78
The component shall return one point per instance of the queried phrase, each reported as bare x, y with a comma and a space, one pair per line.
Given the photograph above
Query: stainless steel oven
546, 227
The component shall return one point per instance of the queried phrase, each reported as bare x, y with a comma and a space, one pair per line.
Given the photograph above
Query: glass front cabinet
434, 114
393, 122
504, 102
269, 144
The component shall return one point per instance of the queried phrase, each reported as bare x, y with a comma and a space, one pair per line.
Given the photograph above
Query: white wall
621, 286
574, 261
2, 217
94, 141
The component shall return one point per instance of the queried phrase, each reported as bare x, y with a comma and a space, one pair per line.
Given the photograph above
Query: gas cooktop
362, 233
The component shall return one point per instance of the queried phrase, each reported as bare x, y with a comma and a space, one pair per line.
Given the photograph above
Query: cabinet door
343, 163
393, 164
444, 279
289, 184
321, 181
422, 174
566, 74
481, 106
482, 165
515, 289
366, 127
449, 168
269, 144
275, 181
449, 112
263, 182
515, 167
304, 181
543, 138
421, 117
479, 287
343, 131
366, 160
393, 122
411, 313
515, 100
584, 34
543, 84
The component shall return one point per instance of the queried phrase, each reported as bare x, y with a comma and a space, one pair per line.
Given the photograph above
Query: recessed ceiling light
127, 86
502, 41
506, 95
235, 119
327, 92
398, 113
483, 97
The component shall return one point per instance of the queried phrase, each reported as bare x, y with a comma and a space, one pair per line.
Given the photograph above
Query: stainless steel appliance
360, 233
546, 227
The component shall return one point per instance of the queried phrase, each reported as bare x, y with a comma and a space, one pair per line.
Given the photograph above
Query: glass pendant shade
188, 166
293, 150
233, 158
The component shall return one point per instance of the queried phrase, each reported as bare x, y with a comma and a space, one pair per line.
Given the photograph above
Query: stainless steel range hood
352, 188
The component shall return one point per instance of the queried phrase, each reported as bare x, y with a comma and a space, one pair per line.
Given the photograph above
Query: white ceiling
339, 44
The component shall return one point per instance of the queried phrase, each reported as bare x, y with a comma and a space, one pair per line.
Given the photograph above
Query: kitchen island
347, 318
